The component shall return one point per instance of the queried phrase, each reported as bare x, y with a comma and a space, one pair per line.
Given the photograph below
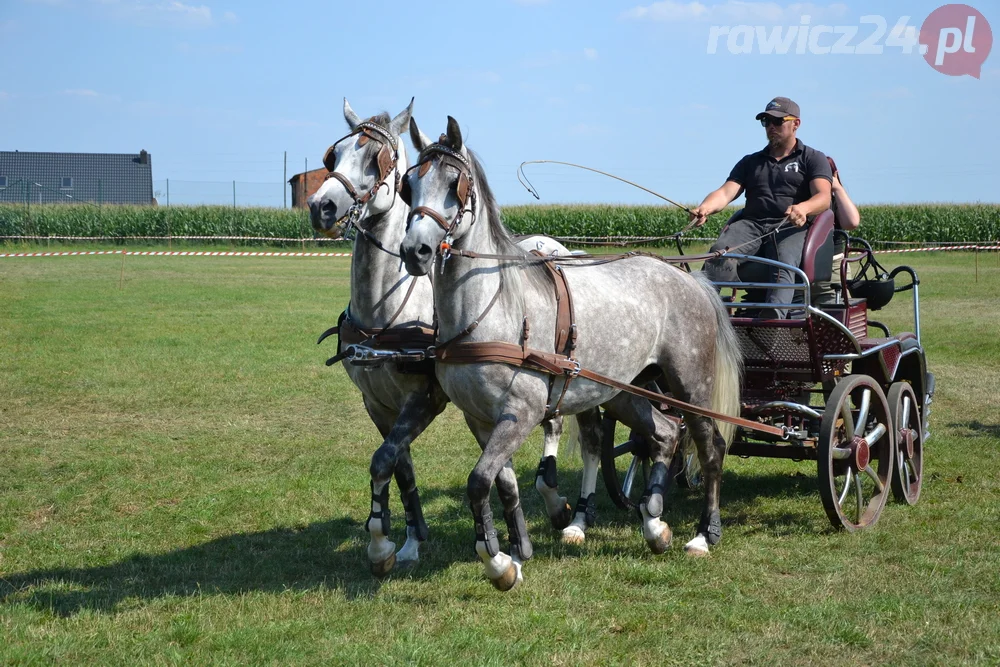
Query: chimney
143, 157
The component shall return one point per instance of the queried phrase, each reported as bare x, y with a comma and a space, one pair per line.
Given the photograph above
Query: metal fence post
168, 192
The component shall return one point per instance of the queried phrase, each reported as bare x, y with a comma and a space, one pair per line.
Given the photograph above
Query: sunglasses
771, 120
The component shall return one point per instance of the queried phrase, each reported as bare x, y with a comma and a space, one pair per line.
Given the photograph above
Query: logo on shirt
792, 166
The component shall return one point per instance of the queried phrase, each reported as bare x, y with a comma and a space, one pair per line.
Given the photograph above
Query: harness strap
546, 362
415, 336
475, 323
434, 215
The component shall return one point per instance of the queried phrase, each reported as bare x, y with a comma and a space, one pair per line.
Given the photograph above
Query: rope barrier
237, 253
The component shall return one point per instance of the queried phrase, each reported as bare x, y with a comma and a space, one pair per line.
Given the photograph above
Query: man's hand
699, 215
796, 214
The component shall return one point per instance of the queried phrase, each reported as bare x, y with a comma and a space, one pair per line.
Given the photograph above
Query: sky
221, 91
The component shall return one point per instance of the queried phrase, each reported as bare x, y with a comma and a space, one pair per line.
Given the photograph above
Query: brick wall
303, 188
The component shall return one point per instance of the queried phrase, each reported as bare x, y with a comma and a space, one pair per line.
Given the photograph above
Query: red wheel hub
862, 453
906, 439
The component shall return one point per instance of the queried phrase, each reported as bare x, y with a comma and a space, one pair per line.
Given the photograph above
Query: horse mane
505, 243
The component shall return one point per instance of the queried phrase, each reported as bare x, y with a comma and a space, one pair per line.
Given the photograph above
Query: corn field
929, 223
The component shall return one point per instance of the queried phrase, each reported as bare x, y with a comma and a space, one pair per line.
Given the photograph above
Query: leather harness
561, 362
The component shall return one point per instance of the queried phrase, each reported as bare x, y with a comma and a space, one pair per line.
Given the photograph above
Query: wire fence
165, 192
172, 192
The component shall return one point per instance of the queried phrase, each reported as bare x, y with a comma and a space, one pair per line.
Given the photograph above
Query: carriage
846, 391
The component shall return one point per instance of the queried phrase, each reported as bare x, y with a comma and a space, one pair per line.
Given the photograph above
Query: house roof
311, 172
118, 178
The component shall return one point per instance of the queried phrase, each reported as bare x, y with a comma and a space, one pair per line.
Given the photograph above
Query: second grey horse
637, 318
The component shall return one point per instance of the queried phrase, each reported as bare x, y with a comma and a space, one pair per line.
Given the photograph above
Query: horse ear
454, 134
401, 123
420, 140
352, 118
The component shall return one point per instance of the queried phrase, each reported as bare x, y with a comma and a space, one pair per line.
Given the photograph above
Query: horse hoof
384, 567
561, 520
697, 548
572, 535
662, 542
507, 580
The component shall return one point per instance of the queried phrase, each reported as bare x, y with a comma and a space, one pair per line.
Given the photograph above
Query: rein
555, 364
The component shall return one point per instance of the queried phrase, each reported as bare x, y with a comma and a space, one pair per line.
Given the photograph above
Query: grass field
182, 480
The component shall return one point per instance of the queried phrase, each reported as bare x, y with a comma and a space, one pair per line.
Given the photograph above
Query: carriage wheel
908, 472
855, 457
625, 468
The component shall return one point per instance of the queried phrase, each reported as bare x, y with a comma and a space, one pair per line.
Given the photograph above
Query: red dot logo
955, 40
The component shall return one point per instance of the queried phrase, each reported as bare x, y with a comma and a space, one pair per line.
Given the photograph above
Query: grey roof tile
112, 178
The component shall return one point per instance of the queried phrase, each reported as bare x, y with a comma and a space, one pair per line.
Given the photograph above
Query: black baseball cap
780, 107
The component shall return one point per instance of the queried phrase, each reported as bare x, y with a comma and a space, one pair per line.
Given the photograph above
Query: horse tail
574, 443
728, 362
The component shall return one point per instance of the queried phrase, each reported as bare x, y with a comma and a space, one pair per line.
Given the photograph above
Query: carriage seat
817, 252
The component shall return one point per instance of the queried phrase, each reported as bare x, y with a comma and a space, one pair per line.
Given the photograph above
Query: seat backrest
817, 251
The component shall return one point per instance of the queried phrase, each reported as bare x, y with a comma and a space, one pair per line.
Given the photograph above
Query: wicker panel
765, 347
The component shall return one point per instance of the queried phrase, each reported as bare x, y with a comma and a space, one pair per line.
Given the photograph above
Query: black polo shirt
774, 185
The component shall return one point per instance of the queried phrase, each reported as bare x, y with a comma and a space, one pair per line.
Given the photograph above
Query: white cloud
590, 54
81, 92
150, 13
733, 12
583, 88
230, 17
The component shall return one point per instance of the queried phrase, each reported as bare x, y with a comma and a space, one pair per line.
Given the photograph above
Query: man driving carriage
787, 184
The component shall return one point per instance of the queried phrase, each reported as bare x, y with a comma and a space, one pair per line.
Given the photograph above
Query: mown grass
183, 480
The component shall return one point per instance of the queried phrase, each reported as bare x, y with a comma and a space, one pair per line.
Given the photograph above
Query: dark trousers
746, 237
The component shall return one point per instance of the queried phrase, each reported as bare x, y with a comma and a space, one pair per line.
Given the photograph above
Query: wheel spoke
878, 482
840, 453
904, 422
860, 496
847, 488
630, 476
866, 401
845, 414
875, 435
910, 473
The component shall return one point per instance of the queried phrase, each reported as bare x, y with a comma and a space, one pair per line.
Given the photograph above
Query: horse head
365, 170
440, 189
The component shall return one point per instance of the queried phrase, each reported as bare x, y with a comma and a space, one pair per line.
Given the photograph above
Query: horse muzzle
417, 258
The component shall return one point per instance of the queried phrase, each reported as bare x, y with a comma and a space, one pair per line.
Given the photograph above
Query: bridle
388, 158
464, 191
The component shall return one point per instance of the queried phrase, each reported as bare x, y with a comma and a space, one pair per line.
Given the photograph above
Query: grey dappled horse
637, 318
364, 167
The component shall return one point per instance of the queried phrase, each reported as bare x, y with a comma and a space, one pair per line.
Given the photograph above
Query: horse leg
662, 434
499, 442
546, 480
711, 451
393, 457
517, 530
585, 513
